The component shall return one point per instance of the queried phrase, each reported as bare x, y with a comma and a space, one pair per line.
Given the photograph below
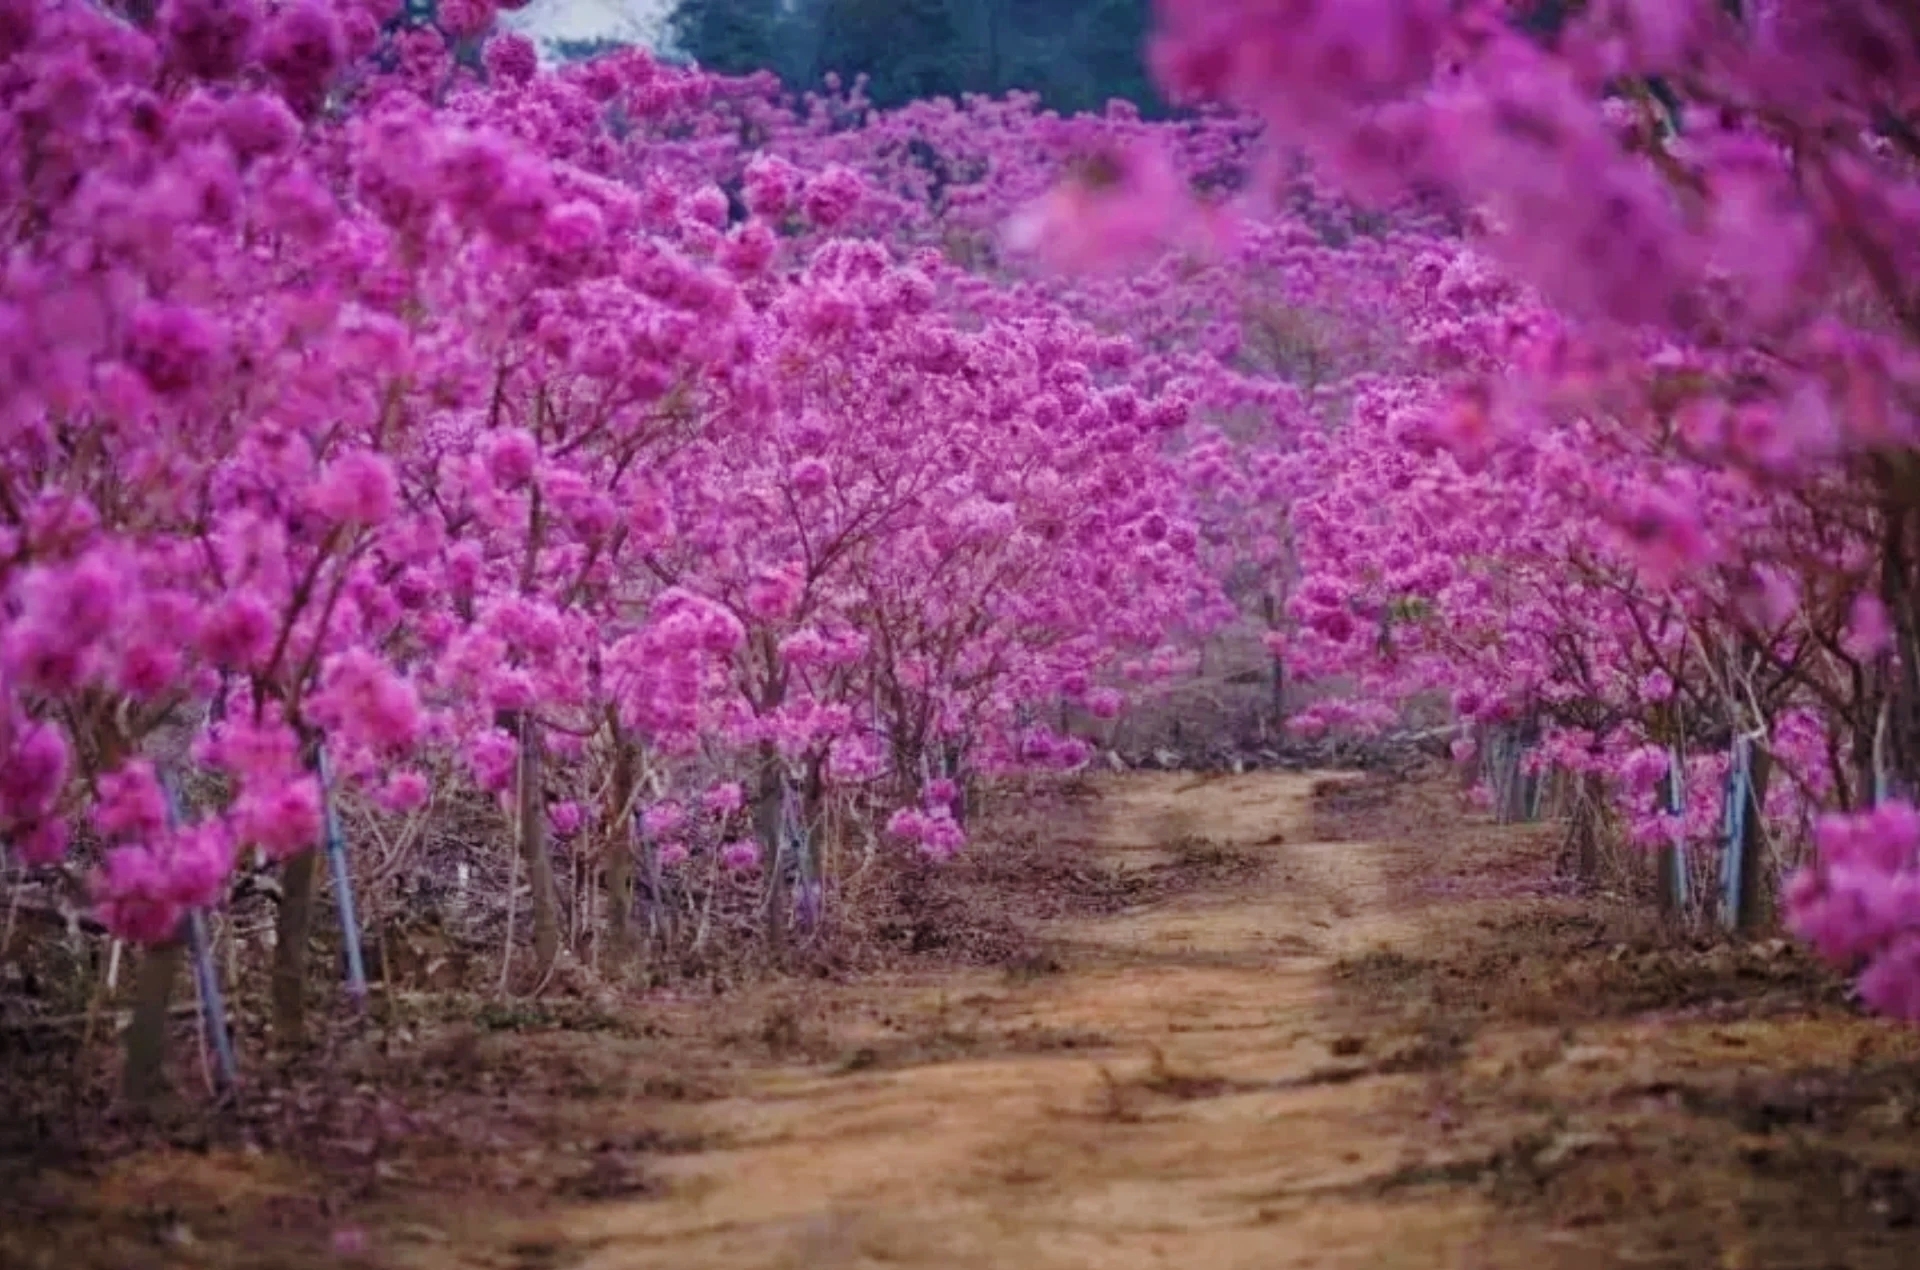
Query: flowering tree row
378, 415
1646, 484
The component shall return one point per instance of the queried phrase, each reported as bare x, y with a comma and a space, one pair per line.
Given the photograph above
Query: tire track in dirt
1226, 1123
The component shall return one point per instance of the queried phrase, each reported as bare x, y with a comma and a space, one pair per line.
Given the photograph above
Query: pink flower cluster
1859, 903
932, 831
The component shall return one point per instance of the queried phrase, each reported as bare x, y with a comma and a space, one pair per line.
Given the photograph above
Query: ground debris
1192, 1016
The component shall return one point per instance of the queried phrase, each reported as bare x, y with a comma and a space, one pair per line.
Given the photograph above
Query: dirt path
1341, 1025
1215, 1124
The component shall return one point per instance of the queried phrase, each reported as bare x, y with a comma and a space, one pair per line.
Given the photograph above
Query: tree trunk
962, 784
293, 932
1899, 674
1525, 784
766, 828
811, 809
619, 831
1670, 862
1754, 907
1516, 812
1277, 687
1868, 741
1504, 775
532, 835
1587, 824
144, 1080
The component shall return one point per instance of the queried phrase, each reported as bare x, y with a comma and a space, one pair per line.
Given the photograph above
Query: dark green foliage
1076, 54
734, 37
1544, 19
582, 50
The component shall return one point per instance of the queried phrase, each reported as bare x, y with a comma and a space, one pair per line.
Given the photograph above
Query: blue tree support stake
1734, 830
343, 888
208, 982
1676, 806
205, 979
